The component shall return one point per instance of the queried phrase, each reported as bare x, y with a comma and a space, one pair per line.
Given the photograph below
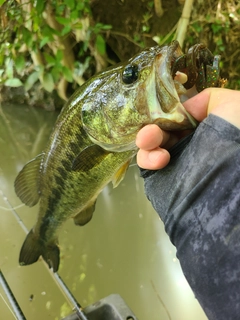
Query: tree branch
184, 22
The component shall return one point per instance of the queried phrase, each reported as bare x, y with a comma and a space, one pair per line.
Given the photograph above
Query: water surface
124, 249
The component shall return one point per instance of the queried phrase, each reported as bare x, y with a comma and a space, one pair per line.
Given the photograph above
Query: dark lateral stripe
62, 172
79, 139
66, 165
46, 220
59, 181
71, 156
74, 147
56, 193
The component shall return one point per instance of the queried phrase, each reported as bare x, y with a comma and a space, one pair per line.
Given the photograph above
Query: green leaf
70, 3
67, 74
197, 27
27, 37
62, 20
74, 15
216, 28
80, 6
14, 82
48, 32
44, 41
48, 83
56, 73
106, 27
19, 63
150, 4
100, 44
9, 68
66, 30
2, 56
60, 8
50, 59
2, 2
40, 5
32, 78
59, 56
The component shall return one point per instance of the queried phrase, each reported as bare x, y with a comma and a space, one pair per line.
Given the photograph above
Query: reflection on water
124, 249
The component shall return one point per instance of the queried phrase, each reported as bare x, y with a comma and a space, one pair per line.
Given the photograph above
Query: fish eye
130, 74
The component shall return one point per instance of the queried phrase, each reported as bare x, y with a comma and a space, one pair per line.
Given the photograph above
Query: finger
150, 137
154, 159
197, 106
219, 101
225, 104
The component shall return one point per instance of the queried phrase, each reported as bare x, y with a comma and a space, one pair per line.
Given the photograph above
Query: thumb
224, 103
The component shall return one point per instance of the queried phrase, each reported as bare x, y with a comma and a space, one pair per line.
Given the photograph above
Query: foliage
48, 41
57, 43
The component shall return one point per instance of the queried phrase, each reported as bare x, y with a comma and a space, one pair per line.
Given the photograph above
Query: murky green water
124, 249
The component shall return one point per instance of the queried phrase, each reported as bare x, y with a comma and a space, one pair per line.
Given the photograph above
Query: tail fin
32, 249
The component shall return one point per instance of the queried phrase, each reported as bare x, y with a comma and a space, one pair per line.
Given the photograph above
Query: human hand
153, 142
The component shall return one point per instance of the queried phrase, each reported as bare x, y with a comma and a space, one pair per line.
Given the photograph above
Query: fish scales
66, 183
93, 143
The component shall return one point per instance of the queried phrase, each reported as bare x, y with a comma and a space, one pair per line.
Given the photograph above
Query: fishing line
13, 208
17, 312
8, 306
161, 301
132, 165
62, 286
19, 220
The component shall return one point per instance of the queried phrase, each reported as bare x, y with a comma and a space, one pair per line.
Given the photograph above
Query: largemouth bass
93, 143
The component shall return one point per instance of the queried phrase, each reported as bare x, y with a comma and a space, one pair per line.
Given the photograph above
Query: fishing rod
12, 300
67, 292
62, 286
108, 308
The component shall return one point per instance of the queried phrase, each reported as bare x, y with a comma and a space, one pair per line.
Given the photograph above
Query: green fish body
93, 143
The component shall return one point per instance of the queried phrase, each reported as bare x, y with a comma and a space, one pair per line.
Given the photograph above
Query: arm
197, 197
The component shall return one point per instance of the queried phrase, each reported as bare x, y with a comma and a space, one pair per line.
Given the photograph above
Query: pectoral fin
89, 158
85, 215
27, 183
119, 175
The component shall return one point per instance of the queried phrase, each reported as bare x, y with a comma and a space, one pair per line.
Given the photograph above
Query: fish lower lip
171, 108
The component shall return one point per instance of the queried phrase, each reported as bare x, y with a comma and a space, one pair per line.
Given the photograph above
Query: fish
93, 143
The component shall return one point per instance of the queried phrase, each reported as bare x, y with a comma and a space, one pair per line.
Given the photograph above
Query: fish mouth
179, 78
169, 112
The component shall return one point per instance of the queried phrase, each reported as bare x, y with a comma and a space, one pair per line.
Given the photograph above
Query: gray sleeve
197, 196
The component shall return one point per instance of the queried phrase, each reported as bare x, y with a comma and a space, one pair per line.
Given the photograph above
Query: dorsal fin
27, 182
